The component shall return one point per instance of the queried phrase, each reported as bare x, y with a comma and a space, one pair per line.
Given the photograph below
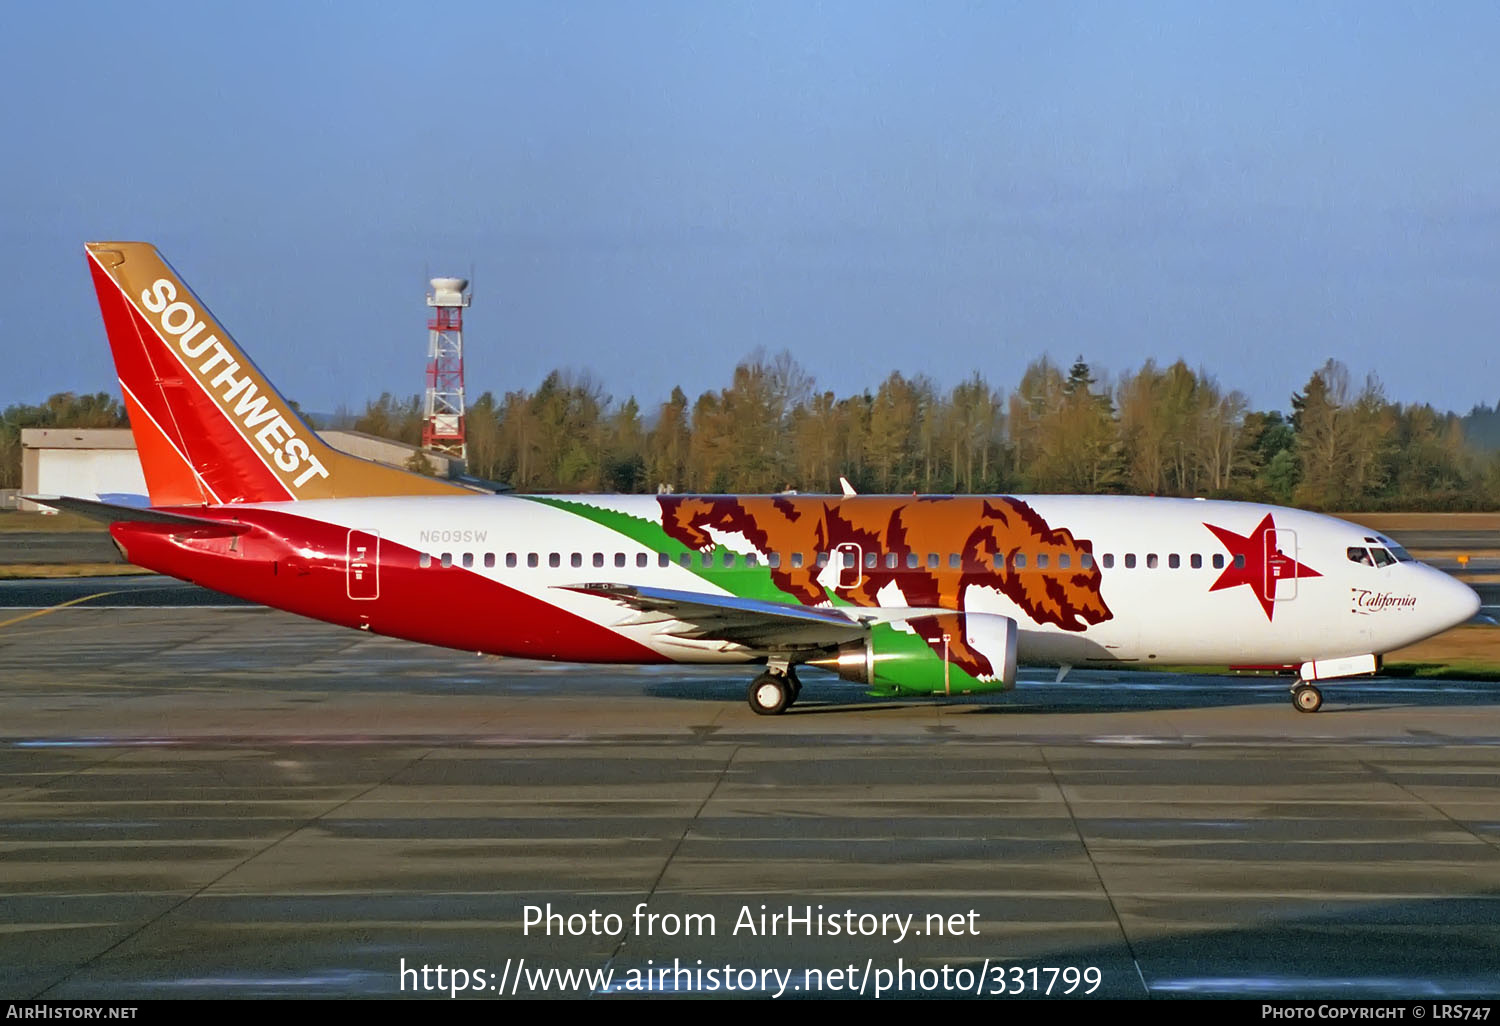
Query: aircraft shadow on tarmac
1084, 691
1096, 691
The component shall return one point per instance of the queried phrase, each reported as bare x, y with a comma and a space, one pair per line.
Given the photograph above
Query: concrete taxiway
236, 802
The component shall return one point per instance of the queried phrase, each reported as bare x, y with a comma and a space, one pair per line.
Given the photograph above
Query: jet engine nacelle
944, 653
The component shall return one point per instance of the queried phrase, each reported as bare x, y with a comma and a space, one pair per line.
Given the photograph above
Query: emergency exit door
1281, 566
363, 560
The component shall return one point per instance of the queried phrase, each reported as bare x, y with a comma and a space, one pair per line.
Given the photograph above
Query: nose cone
1453, 601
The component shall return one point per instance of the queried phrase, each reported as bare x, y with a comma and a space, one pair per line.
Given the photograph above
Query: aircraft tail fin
208, 426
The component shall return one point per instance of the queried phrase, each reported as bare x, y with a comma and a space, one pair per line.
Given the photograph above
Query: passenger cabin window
932, 560
1020, 561
1150, 561
468, 560
1218, 560
1064, 561
1086, 560
532, 559
872, 560
619, 559
576, 559
953, 561
1239, 561
1041, 560
447, 559
1109, 561
1196, 559
822, 559
729, 559
510, 559
554, 559
796, 560
1174, 561
489, 561
708, 559
425, 559
598, 559
686, 559
1130, 561
912, 560
751, 559
663, 558
641, 559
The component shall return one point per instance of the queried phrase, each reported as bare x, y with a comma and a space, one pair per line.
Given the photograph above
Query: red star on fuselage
1256, 563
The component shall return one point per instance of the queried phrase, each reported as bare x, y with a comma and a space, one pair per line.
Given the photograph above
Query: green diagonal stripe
739, 580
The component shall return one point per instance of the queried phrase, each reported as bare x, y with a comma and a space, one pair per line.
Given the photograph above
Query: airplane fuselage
1088, 579
904, 594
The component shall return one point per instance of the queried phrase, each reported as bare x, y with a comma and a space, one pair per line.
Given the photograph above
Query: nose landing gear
1306, 698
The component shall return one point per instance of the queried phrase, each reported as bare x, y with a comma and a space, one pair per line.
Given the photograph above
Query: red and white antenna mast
443, 408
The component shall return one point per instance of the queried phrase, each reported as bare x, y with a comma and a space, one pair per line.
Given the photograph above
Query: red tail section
208, 426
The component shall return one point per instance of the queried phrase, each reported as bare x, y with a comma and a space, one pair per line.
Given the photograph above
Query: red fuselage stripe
304, 566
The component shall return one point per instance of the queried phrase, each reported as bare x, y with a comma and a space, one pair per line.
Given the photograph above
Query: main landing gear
774, 692
1306, 697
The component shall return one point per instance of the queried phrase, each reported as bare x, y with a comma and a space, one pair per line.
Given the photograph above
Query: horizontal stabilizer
111, 513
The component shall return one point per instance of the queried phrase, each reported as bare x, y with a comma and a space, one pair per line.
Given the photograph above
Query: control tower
443, 405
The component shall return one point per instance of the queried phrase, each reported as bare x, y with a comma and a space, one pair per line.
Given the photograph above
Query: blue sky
650, 192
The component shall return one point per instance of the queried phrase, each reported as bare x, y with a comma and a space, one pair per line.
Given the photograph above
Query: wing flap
698, 616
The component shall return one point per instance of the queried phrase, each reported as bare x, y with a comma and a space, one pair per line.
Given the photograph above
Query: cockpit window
1359, 555
1400, 554
1382, 557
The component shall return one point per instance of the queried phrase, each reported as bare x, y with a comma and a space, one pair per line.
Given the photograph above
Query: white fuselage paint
1159, 615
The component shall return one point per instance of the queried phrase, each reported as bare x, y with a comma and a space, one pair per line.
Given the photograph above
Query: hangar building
102, 463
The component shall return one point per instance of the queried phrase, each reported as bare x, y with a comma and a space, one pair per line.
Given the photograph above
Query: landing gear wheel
769, 695
796, 689
1307, 698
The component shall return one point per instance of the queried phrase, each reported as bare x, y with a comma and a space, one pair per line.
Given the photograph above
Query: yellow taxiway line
52, 609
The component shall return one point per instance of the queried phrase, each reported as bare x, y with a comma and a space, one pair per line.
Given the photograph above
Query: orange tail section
208, 426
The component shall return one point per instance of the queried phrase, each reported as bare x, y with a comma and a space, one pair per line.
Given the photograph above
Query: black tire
1307, 698
768, 695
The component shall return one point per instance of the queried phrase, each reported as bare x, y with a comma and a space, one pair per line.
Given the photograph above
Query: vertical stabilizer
208, 425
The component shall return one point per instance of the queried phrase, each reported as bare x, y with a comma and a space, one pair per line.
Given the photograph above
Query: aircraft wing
699, 616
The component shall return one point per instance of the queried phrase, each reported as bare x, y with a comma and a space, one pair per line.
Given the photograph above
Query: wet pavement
236, 802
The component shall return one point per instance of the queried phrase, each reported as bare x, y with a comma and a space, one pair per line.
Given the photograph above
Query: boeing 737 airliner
905, 595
